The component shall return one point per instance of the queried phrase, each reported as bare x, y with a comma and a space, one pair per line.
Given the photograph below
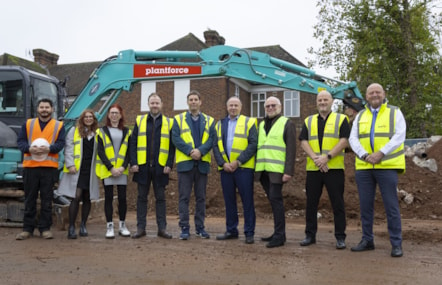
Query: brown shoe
47, 235
164, 234
23, 235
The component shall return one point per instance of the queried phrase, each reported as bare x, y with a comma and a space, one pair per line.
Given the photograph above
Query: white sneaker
110, 230
123, 231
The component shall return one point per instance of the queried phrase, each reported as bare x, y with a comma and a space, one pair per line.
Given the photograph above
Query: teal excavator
20, 89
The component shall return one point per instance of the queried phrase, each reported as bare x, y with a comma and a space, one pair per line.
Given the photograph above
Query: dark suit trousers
241, 179
274, 194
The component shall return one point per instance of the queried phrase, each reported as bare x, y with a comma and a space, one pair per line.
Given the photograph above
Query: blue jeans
387, 180
186, 181
242, 179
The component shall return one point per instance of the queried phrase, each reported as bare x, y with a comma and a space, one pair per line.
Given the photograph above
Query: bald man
275, 163
324, 136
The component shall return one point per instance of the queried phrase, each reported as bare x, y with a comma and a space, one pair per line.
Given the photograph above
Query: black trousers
38, 180
274, 194
334, 181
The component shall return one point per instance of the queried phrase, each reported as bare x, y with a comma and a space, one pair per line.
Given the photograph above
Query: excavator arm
119, 73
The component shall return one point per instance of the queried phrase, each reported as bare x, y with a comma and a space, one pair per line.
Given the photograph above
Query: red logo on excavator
155, 70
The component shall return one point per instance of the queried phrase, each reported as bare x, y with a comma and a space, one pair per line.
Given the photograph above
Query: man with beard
151, 158
40, 140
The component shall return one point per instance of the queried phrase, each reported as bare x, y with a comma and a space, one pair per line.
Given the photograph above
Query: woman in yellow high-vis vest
112, 163
79, 181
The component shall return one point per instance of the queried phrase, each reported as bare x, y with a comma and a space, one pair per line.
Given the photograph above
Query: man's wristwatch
364, 156
329, 156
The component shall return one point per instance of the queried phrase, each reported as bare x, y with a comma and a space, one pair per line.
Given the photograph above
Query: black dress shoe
139, 233
340, 244
227, 235
308, 241
83, 230
275, 243
250, 239
71, 233
269, 238
363, 246
164, 234
396, 251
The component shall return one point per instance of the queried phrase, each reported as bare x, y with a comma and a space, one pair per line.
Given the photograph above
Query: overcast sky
92, 30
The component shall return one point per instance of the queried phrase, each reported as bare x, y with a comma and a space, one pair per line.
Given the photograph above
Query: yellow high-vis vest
329, 140
384, 131
271, 147
186, 135
166, 126
240, 140
101, 169
77, 151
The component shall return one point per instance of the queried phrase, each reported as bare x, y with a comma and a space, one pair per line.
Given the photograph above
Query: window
291, 103
258, 100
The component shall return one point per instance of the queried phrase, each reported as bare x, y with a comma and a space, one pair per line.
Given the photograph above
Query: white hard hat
40, 142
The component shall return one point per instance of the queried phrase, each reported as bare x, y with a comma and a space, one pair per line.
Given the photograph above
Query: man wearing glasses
275, 162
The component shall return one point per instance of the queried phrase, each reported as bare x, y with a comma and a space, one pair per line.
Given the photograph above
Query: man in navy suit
234, 151
193, 133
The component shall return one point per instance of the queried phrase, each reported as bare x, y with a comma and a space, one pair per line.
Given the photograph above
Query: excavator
20, 89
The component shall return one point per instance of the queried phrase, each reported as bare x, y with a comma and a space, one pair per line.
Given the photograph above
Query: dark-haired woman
112, 162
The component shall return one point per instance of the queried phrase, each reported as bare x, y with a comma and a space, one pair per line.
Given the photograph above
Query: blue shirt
230, 134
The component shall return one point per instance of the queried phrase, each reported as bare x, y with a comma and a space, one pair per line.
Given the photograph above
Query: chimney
213, 38
45, 58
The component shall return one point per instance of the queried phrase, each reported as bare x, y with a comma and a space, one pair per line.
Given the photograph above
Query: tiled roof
78, 74
7, 59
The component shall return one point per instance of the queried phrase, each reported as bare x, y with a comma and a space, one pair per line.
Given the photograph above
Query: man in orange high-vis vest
40, 140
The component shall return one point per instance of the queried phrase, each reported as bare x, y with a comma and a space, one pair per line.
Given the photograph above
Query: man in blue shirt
234, 151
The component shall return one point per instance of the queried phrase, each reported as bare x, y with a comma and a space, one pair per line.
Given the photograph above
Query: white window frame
292, 103
259, 101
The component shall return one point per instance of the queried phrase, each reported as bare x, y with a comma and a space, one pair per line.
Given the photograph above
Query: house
215, 90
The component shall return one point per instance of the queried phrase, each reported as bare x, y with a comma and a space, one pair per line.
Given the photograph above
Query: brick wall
214, 94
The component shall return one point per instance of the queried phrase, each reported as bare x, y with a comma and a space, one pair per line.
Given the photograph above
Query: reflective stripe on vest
166, 126
50, 133
240, 141
329, 140
271, 147
77, 151
186, 135
101, 169
384, 131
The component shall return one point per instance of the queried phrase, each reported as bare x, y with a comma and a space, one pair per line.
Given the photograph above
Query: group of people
244, 152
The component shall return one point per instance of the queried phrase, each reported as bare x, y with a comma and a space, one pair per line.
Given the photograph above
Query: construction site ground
153, 260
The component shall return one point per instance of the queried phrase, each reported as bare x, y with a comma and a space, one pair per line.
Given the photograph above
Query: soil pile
425, 186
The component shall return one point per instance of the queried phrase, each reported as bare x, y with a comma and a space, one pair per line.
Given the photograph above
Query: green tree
393, 42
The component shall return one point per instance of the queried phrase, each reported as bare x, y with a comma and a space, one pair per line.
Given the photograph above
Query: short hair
45, 100
121, 122
233, 97
152, 95
194, 92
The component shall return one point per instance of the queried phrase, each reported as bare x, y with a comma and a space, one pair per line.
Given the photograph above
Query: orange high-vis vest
50, 133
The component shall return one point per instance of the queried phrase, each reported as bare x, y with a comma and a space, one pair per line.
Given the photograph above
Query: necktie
373, 122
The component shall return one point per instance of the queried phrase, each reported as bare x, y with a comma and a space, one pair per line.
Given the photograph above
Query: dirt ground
152, 260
